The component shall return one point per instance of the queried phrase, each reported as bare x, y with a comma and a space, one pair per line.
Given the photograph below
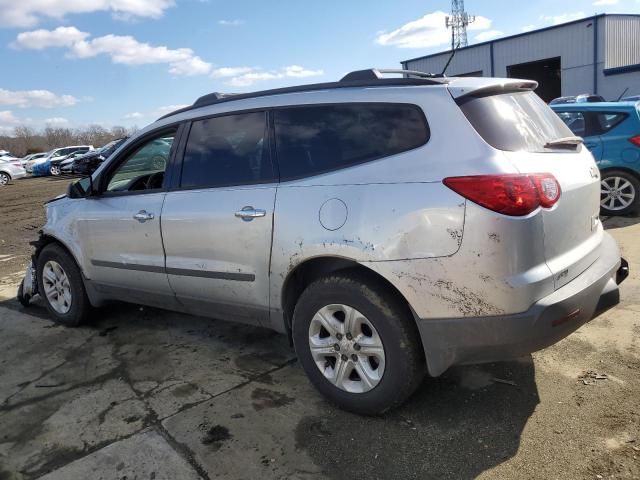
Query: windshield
515, 121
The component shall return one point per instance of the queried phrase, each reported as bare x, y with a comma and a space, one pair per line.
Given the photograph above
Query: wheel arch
7, 174
314, 268
95, 298
630, 171
47, 239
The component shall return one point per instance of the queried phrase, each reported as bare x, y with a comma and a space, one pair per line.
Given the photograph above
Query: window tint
575, 121
144, 168
515, 121
319, 138
227, 150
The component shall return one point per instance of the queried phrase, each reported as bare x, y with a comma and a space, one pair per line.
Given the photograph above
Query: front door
121, 225
217, 225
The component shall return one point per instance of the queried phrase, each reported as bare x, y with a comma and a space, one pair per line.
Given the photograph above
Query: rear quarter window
320, 138
514, 121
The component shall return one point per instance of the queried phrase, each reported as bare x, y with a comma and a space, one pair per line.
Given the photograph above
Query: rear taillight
635, 140
509, 194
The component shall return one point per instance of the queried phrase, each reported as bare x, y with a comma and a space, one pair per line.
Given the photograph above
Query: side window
606, 121
143, 169
227, 150
320, 138
575, 121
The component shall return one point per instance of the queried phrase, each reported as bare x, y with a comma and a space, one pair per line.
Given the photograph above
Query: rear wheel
4, 178
61, 287
358, 343
619, 193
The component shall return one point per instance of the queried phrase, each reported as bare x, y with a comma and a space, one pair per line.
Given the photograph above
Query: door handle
142, 216
249, 213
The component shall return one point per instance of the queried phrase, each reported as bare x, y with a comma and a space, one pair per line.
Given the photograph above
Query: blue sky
120, 62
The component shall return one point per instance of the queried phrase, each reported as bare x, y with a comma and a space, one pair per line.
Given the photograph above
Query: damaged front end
29, 285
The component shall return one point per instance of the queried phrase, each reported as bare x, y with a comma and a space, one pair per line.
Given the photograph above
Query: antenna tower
458, 21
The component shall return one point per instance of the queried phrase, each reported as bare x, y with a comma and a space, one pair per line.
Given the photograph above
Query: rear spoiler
463, 92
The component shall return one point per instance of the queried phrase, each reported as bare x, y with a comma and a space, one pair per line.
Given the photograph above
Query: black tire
404, 356
635, 187
5, 178
80, 306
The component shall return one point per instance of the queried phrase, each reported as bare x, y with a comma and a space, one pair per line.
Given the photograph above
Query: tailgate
535, 140
572, 229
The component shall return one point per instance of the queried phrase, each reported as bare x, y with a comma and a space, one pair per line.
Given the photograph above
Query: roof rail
210, 98
378, 74
362, 78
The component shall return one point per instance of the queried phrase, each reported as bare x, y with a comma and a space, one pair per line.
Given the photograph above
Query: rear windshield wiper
567, 142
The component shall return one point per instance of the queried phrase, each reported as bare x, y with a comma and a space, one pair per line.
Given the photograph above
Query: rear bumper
455, 341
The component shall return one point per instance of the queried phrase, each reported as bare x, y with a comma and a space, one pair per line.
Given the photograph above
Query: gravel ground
142, 393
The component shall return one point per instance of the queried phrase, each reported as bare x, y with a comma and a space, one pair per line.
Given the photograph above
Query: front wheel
61, 286
4, 179
619, 193
358, 343
54, 170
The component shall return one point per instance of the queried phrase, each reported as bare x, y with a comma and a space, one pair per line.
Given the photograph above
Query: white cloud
599, 3
8, 121
528, 28
27, 13
7, 117
256, 75
562, 18
123, 49
230, 71
425, 32
133, 115
56, 122
231, 23
297, 71
60, 37
35, 98
168, 109
488, 35
480, 23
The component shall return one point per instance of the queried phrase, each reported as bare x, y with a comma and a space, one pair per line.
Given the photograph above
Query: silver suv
389, 226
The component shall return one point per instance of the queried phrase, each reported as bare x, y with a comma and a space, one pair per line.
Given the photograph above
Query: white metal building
598, 55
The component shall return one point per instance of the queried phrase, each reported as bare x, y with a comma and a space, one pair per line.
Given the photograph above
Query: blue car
41, 169
611, 130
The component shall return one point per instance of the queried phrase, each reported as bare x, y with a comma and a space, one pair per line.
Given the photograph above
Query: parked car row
50, 163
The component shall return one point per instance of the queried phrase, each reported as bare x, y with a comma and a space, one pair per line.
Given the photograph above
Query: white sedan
10, 170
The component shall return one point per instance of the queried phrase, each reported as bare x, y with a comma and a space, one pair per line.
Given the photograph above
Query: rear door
522, 125
217, 223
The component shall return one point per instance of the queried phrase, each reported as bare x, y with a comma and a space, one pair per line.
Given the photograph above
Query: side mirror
82, 188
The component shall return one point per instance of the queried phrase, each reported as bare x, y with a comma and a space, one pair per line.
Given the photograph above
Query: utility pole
458, 21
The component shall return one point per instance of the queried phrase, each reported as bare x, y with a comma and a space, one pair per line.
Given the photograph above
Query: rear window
319, 138
586, 124
514, 121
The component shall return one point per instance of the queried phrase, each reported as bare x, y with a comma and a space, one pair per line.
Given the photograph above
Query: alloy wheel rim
56, 287
616, 193
346, 348
55, 170
4, 179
